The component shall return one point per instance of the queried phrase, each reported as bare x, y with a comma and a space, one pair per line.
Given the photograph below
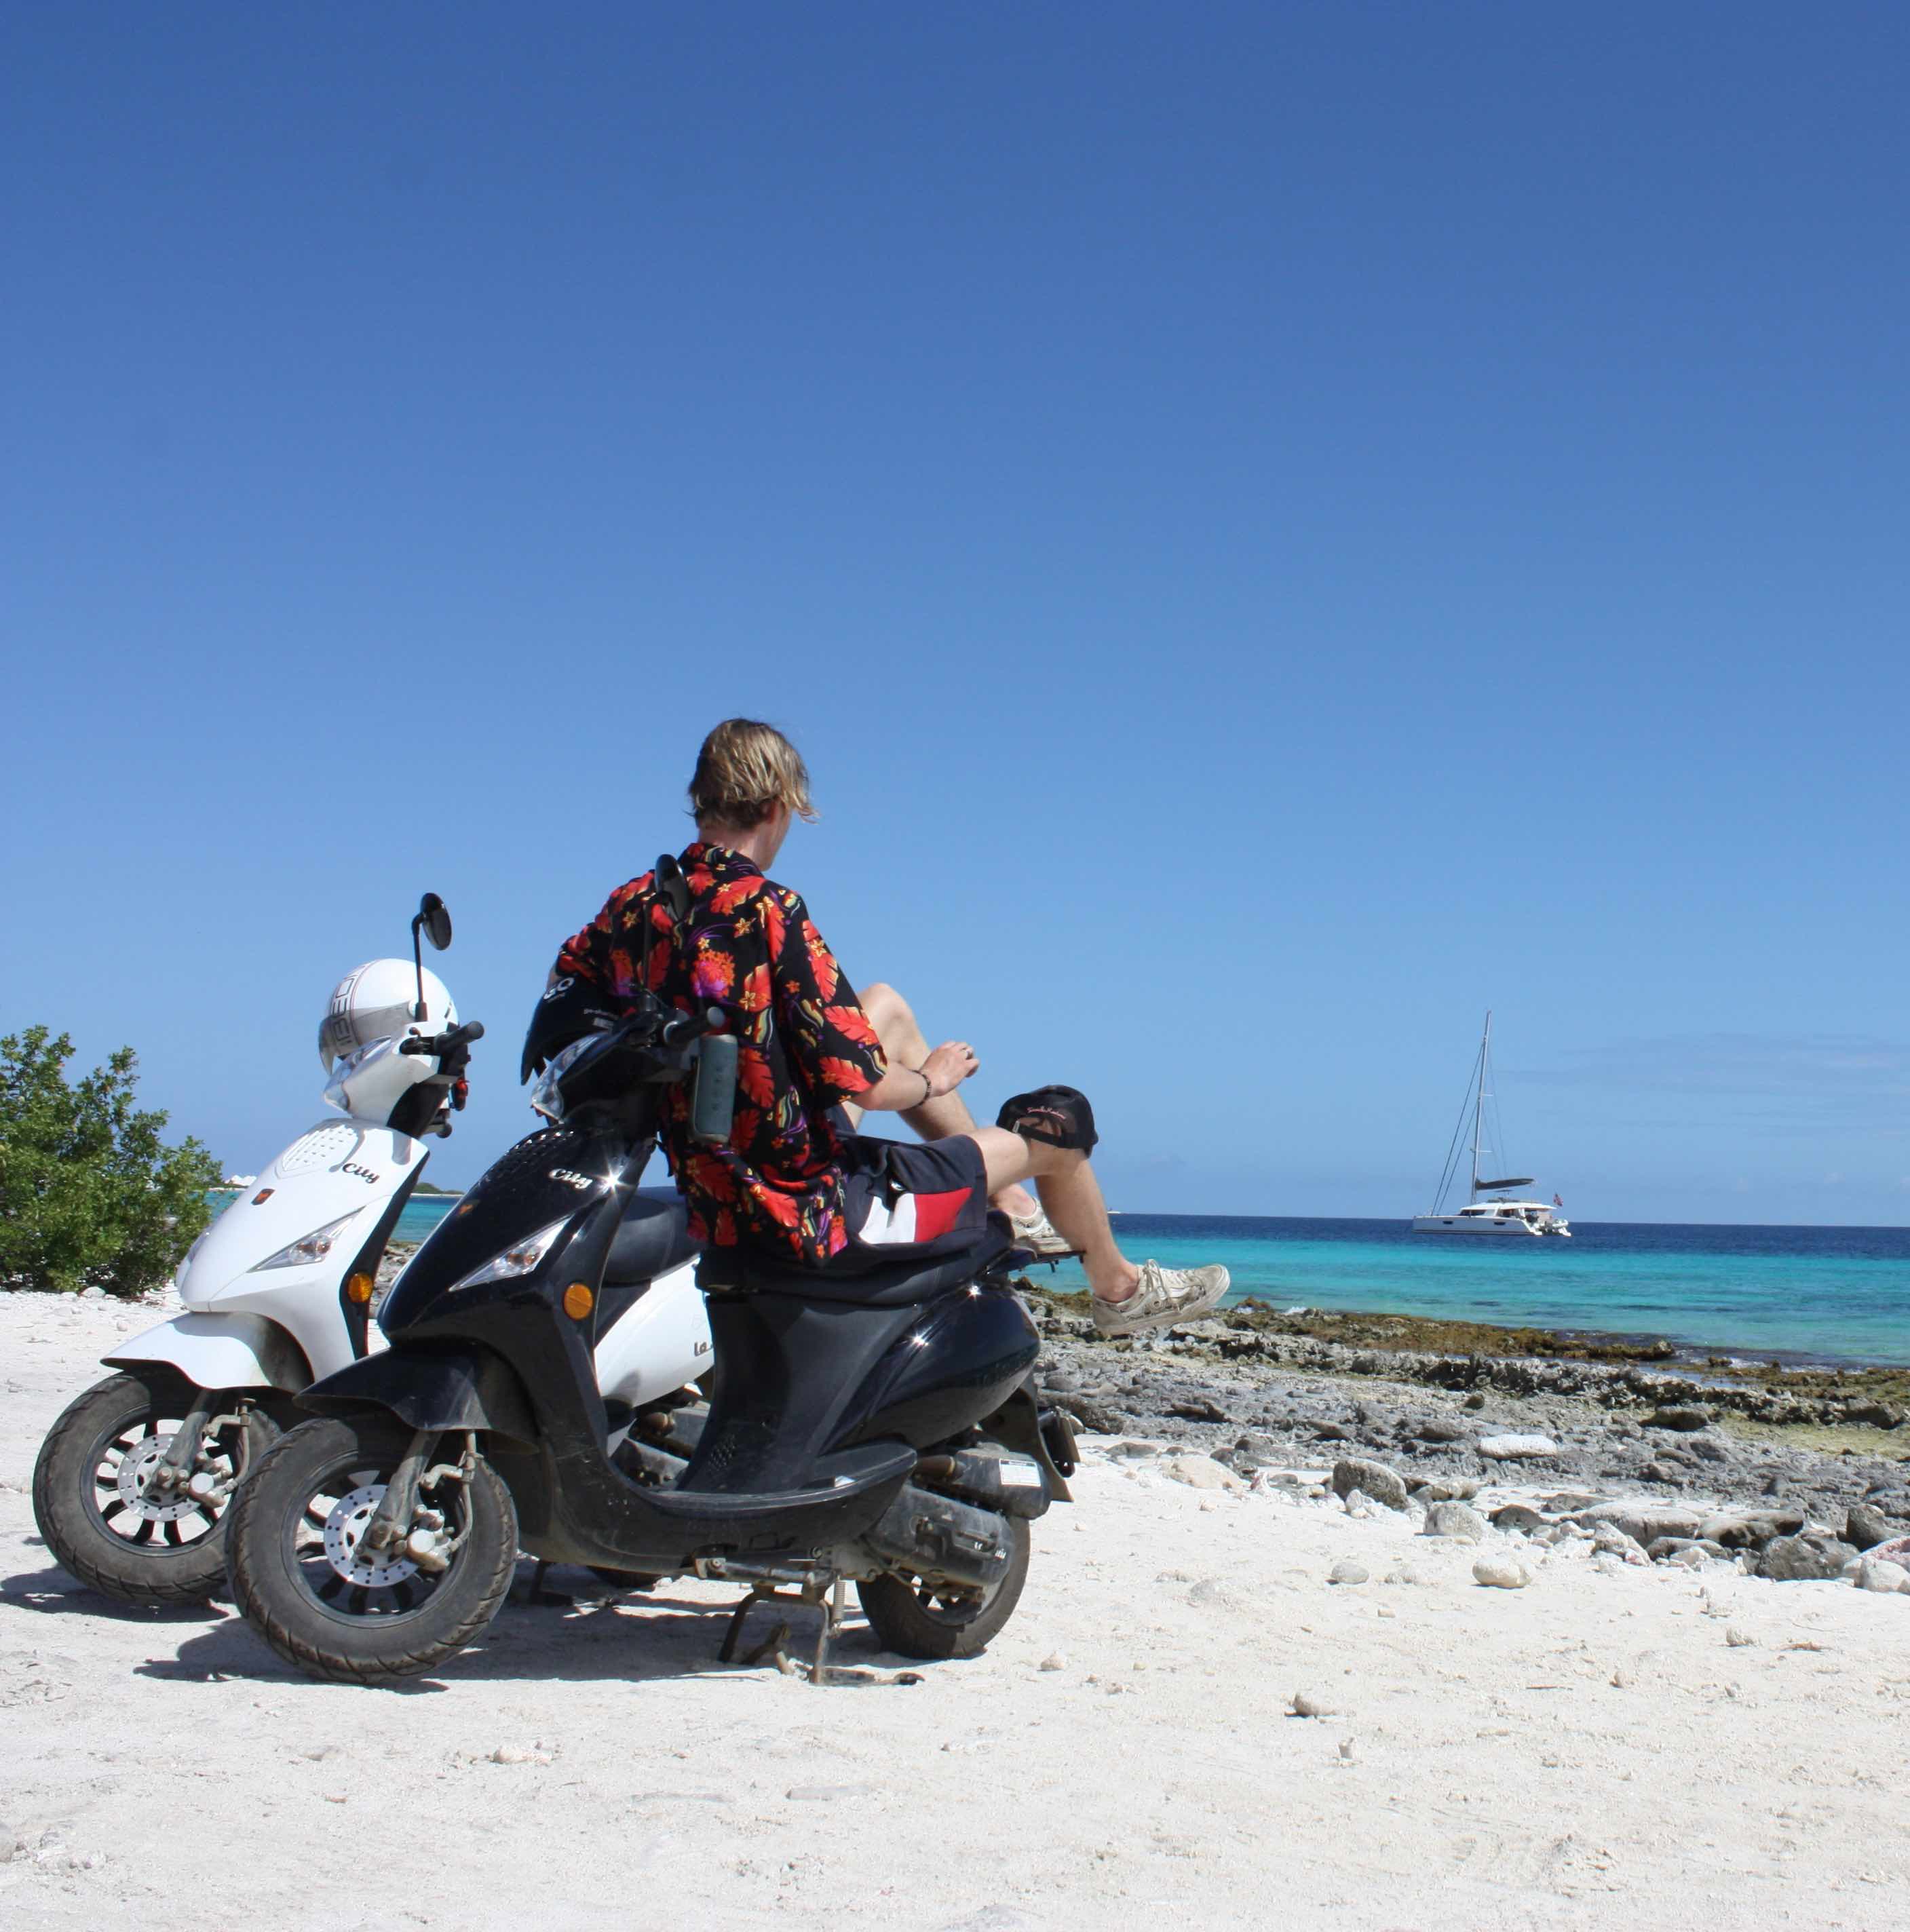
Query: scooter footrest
839, 1477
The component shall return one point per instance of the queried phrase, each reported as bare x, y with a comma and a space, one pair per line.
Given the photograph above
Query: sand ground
1610, 1745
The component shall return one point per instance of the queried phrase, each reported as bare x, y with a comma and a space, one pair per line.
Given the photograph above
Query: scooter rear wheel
919, 1620
93, 1503
297, 1574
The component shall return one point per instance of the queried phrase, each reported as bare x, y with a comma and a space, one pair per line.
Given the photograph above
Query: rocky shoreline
1732, 1461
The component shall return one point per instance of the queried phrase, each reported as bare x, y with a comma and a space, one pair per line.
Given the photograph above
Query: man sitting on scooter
794, 1180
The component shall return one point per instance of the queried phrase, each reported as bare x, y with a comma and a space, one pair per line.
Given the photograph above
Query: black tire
312, 1612
920, 1621
101, 1528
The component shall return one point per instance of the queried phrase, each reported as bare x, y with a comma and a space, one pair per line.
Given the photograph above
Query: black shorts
909, 1200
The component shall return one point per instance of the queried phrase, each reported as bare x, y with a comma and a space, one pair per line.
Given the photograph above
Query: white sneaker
1164, 1294
1040, 1236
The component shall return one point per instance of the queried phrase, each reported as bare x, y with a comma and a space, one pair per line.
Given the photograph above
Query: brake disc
136, 1469
345, 1529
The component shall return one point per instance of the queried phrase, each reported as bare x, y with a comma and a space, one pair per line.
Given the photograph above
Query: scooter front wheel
108, 1521
297, 1574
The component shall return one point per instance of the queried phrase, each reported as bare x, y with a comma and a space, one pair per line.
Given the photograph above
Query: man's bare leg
1072, 1197
1125, 1299
905, 1044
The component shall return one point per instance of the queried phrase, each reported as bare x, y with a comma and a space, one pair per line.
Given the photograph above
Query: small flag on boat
1556, 1202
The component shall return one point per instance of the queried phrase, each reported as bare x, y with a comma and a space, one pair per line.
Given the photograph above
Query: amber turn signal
358, 1287
578, 1300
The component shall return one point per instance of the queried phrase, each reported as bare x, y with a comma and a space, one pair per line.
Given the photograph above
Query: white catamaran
1500, 1212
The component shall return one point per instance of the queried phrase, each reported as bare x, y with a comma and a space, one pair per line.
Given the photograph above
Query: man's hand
949, 1064
900, 1090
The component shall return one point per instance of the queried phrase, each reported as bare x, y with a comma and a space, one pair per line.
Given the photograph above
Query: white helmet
372, 1010
375, 1002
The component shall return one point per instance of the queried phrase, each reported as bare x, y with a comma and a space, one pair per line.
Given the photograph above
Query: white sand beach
1614, 1744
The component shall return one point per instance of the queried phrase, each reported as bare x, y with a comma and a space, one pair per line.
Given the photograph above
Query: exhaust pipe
942, 1540
1009, 1485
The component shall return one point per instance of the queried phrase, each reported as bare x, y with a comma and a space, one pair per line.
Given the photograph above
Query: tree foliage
90, 1195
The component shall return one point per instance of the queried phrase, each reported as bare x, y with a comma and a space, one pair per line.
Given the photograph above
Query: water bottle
712, 1098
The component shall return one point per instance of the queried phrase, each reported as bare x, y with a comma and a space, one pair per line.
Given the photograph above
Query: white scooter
133, 1481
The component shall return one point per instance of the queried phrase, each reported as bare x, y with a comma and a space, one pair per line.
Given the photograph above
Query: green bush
90, 1195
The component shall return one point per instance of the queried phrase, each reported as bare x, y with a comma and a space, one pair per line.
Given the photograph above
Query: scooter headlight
520, 1258
308, 1248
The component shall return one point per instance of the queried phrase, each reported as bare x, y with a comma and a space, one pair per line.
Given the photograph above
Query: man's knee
886, 1007
1044, 1161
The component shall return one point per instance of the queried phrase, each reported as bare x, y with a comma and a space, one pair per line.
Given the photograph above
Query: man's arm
903, 1088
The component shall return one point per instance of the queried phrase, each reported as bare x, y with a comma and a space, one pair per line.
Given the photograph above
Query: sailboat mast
1478, 1102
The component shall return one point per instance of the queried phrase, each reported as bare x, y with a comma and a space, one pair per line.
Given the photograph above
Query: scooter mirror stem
432, 920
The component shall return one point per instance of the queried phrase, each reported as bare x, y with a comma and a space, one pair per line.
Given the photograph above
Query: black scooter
881, 1428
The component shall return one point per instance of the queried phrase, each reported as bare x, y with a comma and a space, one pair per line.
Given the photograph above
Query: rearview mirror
435, 920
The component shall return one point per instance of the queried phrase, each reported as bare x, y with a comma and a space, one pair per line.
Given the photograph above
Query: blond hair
744, 770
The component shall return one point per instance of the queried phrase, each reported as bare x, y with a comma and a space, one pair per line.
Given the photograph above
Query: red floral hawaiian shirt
804, 1046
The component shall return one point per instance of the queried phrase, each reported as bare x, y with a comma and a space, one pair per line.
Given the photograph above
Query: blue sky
1276, 527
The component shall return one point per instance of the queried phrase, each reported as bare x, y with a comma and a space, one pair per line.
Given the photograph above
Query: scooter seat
897, 1285
652, 1238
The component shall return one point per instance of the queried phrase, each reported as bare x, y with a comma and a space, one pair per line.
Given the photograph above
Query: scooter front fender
457, 1388
218, 1351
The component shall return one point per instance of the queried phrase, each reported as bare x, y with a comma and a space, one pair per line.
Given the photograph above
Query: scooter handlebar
442, 1043
685, 1027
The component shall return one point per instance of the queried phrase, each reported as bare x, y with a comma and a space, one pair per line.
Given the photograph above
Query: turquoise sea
1837, 1295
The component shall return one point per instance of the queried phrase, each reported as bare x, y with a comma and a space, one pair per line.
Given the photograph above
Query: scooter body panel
218, 1351
964, 1355
337, 1168
557, 1173
661, 1342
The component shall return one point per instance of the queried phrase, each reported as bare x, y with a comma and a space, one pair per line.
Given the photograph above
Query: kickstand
769, 1651
733, 1636
539, 1594
771, 1647
832, 1622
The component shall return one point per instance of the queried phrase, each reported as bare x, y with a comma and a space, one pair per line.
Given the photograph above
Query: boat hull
1508, 1227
